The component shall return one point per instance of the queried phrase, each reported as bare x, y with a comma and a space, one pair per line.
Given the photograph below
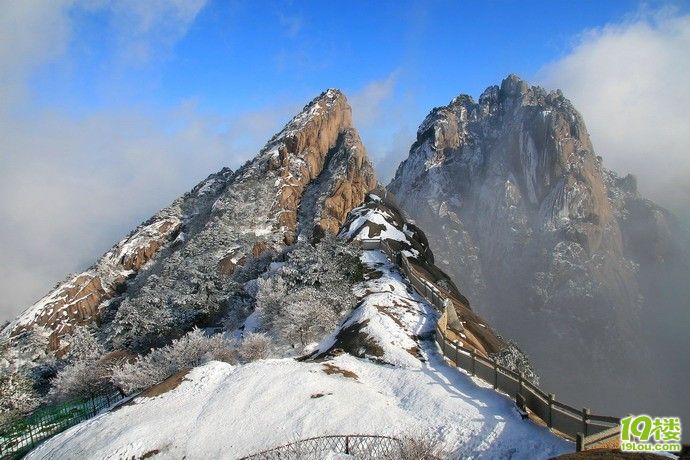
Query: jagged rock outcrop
305, 180
546, 242
323, 168
379, 217
520, 196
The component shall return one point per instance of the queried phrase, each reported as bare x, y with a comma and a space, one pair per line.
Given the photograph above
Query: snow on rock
380, 218
389, 232
388, 321
77, 300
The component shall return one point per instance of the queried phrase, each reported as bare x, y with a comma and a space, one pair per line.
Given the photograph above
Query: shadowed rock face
547, 244
306, 179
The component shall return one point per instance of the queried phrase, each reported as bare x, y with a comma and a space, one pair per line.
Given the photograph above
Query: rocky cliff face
546, 242
302, 183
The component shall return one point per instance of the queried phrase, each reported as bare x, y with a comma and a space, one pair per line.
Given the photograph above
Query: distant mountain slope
556, 251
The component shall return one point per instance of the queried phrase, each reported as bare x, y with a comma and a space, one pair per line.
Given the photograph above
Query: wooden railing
587, 429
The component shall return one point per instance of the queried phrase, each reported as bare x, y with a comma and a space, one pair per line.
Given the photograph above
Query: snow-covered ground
221, 411
224, 411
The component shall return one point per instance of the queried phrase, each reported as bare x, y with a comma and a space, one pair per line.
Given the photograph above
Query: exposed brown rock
304, 155
135, 259
229, 263
166, 385
76, 301
350, 190
259, 248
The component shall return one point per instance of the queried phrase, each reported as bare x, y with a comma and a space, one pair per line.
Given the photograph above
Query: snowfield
225, 411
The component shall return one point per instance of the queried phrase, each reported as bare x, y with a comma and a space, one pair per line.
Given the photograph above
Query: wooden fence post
495, 373
579, 442
551, 398
520, 377
347, 445
474, 362
457, 352
585, 418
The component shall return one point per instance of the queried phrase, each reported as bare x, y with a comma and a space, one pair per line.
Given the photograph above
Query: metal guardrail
358, 446
19, 437
581, 425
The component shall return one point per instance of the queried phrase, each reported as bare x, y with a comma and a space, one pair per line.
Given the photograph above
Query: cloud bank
630, 82
71, 186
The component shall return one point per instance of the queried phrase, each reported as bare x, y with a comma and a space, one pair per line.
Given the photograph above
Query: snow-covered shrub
239, 307
85, 374
32, 345
83, 378
420, 446
83, 345
193, 349
304, 299
17, 394
271, 298
26, 365
254, 267
139, 325
328, 263
306, 317
513, 358
255, 346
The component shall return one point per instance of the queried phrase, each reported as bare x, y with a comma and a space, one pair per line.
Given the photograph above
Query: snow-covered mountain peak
541, 237
305, 180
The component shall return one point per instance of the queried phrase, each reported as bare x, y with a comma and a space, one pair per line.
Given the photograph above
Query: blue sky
109, 109
242, 56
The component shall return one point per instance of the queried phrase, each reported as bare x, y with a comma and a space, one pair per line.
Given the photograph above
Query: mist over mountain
560, 253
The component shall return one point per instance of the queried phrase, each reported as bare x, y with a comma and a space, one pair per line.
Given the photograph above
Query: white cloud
630, 82
151, 27
384, 116
368, 103
71, 187
31, 32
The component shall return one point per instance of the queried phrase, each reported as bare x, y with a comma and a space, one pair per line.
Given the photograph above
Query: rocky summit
302, 184
547, 243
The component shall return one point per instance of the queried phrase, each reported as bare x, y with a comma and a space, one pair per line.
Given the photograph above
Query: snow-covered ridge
380, 220
76, 300
79, 299
391, 380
